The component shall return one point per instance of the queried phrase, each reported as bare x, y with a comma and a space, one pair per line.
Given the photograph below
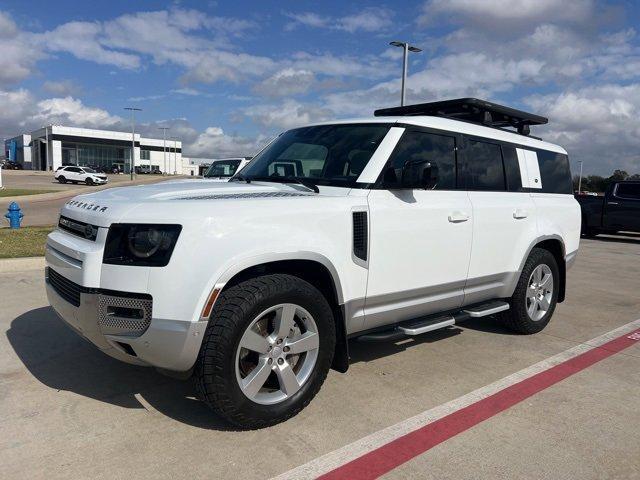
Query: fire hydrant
14, 215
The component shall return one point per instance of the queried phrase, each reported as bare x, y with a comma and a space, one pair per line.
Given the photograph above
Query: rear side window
483, 166
555, 173
417, 146
628, 190
511, 169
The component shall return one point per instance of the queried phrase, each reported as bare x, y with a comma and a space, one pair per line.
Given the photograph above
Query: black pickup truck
618, 209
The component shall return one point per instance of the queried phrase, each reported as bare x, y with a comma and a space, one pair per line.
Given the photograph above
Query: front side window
332, 155
430, 154
226, 168
483, 166
88, 170
630, 191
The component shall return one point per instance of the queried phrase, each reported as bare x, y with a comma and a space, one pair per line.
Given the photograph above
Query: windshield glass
89, 170
324, 155
224, 168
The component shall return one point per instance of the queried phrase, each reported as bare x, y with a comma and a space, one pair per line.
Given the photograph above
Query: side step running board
485, 309
428, 324
416, 327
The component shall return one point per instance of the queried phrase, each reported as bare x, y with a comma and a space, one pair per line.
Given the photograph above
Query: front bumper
167, 344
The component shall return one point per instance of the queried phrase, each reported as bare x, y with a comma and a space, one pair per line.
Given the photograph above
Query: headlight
140, 244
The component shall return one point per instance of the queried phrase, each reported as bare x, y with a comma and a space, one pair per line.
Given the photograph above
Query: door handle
458, 217
613, 203
519, 214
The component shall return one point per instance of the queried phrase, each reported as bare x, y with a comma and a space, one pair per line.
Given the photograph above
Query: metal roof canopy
471, 110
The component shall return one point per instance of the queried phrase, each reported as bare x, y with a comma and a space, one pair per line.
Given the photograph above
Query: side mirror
419, 174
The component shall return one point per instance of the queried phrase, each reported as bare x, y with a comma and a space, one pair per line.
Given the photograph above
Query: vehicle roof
449, 125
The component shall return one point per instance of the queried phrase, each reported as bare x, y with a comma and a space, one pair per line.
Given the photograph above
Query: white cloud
61, 88
213, 142
288, 114
370, 19
595, 124
71, 111
22, 113
82, 39
18, 57
507, 14
286, 82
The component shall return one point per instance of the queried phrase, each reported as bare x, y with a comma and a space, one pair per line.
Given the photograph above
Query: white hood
107, 206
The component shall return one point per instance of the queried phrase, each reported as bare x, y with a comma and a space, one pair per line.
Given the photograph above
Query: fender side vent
360, 235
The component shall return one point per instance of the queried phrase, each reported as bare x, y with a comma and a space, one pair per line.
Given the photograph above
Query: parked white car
222, 170
381, 228
75, 174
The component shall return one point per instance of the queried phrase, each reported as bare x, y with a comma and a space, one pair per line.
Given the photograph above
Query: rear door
622, 207
504, 218
420, 238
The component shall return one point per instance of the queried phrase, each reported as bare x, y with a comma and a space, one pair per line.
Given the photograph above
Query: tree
619, 176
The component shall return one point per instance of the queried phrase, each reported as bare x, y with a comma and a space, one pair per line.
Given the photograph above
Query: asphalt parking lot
43, 209
69, 411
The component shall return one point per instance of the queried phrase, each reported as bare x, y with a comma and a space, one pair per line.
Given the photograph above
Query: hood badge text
86, 206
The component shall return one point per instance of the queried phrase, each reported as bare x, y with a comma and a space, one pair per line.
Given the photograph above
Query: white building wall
55, 154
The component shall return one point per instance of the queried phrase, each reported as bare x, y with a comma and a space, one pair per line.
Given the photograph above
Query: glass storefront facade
103, 156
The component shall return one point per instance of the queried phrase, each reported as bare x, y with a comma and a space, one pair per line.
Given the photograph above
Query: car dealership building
53, 146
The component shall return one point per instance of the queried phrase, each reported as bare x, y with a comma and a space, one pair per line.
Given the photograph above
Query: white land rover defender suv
413, 220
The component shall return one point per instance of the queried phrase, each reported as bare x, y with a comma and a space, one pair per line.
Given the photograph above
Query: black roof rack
471, 110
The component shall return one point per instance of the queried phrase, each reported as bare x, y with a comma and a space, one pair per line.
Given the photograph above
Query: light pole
164, 147
406, 48
580, 180
133, 111
46, 146
175, 155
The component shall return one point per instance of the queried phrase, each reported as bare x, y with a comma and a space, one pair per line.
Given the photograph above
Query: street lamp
133, 136
406, 48
175, 155
580, 180
164, 147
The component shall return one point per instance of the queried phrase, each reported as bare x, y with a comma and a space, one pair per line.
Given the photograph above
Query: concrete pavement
69, 411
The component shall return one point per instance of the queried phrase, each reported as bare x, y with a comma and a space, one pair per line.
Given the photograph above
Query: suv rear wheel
535, 297
61, 179
267, 350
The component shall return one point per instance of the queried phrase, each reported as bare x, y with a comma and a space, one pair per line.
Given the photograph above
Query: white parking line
348, 453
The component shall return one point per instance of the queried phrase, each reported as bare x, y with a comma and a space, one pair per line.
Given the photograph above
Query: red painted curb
395, 453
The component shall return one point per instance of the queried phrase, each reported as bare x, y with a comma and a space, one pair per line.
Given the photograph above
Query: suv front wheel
267, 350
535, 297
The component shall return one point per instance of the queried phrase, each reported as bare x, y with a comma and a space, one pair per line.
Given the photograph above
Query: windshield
323, 155
89, 170
224, 168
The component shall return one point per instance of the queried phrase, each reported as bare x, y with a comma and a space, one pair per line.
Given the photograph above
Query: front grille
67, 289
76, 227
124, 315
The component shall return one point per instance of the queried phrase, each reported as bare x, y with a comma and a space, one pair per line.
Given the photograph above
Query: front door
622, 210
420, 238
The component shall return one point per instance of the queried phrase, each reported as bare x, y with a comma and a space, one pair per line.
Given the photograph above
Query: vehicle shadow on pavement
360, 351
60, 359
631, 238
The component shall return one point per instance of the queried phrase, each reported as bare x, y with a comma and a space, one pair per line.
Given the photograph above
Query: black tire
517, 318
215, 369
88, 181
61, 179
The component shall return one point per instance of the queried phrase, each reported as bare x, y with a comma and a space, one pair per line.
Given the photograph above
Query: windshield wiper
279, 179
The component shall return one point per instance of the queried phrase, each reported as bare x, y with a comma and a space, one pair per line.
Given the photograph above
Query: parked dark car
618, 209
10, 165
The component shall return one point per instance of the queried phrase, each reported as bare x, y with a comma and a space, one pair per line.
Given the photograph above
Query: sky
228, 76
